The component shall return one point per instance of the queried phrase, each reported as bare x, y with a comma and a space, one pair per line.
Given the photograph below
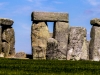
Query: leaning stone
20, 55
95, 22
49, 16
77, 44
94, 47
52, 47
39, 36
6, 22
61, 30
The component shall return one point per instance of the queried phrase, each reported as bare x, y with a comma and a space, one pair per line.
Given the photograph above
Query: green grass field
48, 67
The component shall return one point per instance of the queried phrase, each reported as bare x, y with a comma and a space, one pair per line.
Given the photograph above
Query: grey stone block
6, 22
49, 16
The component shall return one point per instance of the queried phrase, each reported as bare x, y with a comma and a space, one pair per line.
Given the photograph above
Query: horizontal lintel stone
49, 16
6, 22
95, 22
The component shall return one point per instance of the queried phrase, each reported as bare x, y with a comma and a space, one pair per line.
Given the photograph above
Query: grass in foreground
48, 67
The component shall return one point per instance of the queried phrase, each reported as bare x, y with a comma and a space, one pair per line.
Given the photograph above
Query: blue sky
80, 14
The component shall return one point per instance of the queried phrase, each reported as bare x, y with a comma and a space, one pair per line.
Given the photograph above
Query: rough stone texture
0, 40
8, 40
52, 49
39, 36
77, 43
49, 16
95, 22
85, 50
94, 47
20, 55
6, 22
60, 33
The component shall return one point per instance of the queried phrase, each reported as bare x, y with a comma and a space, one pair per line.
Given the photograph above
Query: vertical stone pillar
60, 33
39, 29
8, 37
0, 40
94, 47
39, 36
77, 48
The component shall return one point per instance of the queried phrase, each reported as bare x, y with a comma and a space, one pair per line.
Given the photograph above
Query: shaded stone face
49, 16
0, 40
6, 22
77, 44
52, 49
60, 33
39, 36
94, 47
8, 40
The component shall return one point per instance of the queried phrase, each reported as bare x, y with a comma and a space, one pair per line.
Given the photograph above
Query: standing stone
61, 30
94, 47
8, 39
77, 44
52, 49
39, 36
0, 40
7, 36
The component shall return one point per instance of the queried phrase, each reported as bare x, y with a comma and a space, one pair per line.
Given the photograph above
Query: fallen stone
6, 22
39, 36
49, 16
77, 43
61, 30
52, 49
20, 55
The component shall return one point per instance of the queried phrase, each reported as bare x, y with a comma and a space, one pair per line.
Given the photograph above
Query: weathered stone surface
52, 49
5, 49
20, 55
6, 22
77, 44
49, 16
0, 40
94, 47
95, 22
61, 30
85, 50
8, 39
39, 36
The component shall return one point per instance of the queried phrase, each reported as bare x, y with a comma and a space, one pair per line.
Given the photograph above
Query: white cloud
94, 2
